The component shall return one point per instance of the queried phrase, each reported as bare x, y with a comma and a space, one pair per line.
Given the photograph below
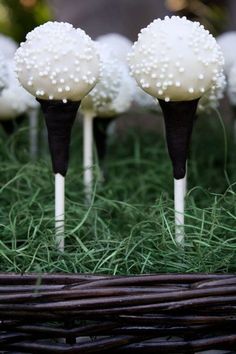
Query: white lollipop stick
179, 194
33, 130
88, 155
59, 210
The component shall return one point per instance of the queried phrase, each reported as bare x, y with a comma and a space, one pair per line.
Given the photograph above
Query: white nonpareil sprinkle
176, 59
58, 61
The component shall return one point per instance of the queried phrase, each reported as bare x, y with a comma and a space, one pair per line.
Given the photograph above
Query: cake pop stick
59, 65
88, 155
33, 131
177, 61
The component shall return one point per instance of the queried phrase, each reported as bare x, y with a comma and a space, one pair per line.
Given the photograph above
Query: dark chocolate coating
59, 118
100, 126
179, 119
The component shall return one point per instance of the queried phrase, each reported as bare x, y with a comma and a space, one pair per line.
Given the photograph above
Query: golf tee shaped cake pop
115, 46
59, 65
110, 97
177, 61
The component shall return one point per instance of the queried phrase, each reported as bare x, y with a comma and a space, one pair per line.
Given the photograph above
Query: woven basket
171, 313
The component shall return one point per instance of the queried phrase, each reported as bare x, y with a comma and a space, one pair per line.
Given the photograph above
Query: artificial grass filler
129, 227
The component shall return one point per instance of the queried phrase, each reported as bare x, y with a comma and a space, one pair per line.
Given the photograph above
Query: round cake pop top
116, 45
57, 62
176, 59
7, 46
231, 88
227, 42
14, 99
113, 93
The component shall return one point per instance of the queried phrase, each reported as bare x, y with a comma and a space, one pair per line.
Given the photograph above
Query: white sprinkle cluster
57, 62
8, 46
113, 93
227, 43
116, 45
3, 73
14, 99
176, 59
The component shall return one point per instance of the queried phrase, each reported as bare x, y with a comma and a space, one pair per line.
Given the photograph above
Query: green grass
129, 228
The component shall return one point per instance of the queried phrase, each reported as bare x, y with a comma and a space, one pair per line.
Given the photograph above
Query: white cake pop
59, 65
110, 97
7, 46
176, 59
227, 43
57, 62
115, 45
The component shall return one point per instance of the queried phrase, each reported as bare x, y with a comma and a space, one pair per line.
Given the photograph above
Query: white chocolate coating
57, 62
116, 45
176, 59
113, 93
8, 46
227, 43
14, 99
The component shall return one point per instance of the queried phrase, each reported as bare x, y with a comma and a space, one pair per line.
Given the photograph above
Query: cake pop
59, 65
177, 61
115, 46
110, 97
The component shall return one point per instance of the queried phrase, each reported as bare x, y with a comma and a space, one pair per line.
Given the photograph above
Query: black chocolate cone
100, 127
59, 118
179, 119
